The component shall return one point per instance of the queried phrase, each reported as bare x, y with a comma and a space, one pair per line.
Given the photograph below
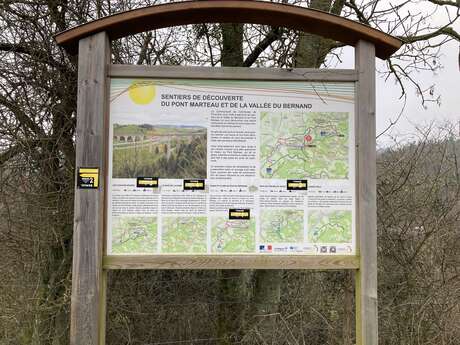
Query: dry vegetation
174, 153
419, 284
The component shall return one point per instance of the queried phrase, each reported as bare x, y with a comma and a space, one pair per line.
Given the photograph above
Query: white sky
446, 81
447, 84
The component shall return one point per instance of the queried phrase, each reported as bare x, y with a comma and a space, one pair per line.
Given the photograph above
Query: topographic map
281, 226
232, 236
184, 235
304, 145
332, 226
134, 235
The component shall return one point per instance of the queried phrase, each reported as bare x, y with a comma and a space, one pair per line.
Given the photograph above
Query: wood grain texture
366, 276
229, 262
87, 276
232, 73
232, 11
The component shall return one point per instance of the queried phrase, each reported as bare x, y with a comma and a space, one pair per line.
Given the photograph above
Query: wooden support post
88, 278
366, 275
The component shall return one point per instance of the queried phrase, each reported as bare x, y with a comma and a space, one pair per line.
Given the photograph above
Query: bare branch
361, 17
447, 31
272, 36
445, 3
21, 116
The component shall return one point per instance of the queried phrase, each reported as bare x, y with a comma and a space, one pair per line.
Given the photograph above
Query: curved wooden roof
232, 11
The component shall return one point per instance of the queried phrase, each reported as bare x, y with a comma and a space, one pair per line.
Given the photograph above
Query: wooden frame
230, 262
88, 278
366, 195
219, 261
232, 73
92, 41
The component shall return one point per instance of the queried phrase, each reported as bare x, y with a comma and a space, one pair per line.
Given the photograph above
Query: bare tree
37, 123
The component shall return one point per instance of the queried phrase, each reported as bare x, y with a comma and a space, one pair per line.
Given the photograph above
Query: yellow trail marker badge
297, 184
238, 213
193, 184
88, 178
147, 182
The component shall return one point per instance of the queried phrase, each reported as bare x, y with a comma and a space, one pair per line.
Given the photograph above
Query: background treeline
419, 284
418, 223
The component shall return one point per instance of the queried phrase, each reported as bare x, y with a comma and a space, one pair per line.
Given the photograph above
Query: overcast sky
447, 85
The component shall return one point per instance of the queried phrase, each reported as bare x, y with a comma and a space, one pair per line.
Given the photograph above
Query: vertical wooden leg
88, 279
366, 276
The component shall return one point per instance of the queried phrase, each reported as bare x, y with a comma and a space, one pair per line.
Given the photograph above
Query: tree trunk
232, 45
233, 284
265, 311
311, 49
233, 298
310, 52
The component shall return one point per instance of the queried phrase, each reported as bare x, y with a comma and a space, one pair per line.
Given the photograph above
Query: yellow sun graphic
142, 92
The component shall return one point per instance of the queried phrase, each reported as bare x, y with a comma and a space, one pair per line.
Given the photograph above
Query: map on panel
184, 235
304, 145
281, 226
232, 236
332, 226
134, 234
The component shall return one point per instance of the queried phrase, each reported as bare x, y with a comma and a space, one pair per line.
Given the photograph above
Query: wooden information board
138, 126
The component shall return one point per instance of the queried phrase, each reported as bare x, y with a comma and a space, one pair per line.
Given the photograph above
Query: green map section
329, 226
134, 235
281, 226
184, 235
232, 236
304, 145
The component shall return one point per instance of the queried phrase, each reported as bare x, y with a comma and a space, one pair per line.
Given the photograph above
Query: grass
185, 157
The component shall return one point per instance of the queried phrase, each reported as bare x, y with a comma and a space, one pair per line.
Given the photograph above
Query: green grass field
165, 152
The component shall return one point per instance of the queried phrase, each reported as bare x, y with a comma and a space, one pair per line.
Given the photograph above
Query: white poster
231, 167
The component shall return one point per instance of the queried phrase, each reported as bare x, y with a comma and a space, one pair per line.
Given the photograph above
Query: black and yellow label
147, 182
193, 184
297, 184
239, 213
88, 178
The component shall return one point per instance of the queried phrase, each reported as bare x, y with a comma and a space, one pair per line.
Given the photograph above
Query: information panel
209, 167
